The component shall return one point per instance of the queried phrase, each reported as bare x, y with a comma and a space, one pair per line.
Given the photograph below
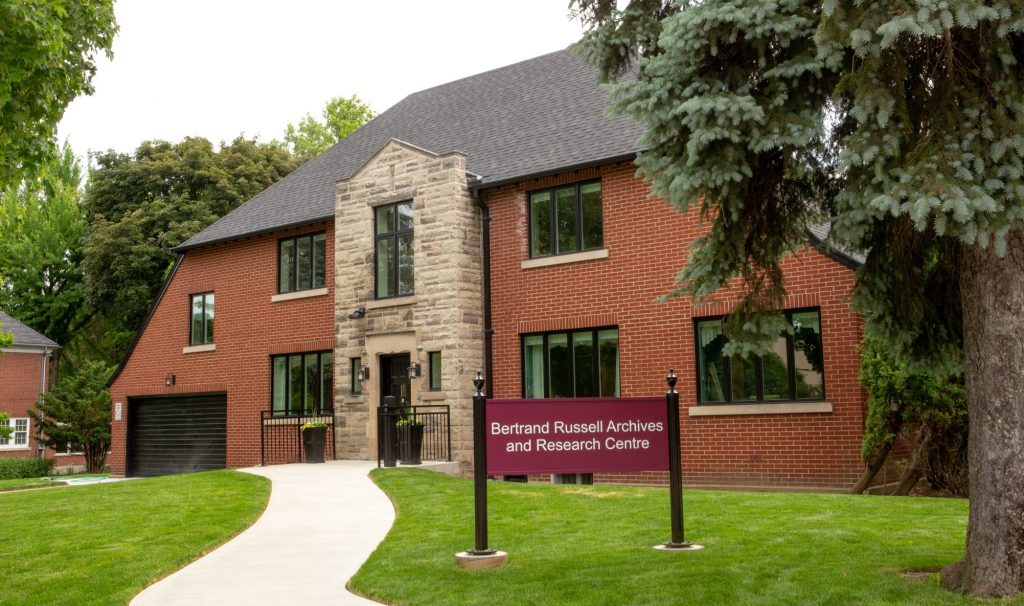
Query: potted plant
314, 438
410, 440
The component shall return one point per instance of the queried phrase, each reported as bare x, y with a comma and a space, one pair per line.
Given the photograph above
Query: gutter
145, 321
485, 221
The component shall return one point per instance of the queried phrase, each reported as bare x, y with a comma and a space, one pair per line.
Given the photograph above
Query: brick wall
248, 329
647, 243
19, 392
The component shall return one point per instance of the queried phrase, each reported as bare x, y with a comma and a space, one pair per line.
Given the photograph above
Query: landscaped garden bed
104, 543
592, 545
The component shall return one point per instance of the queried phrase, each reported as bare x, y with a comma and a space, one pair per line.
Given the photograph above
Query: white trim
395, 302
712, 410
587, 255
299, 294
13, 422
28, 349
199, 348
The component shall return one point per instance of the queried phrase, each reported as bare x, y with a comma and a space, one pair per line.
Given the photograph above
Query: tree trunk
915, 468
992, 294
894, 424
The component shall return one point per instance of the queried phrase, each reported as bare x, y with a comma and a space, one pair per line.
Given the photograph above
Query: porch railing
281, 436
437, 432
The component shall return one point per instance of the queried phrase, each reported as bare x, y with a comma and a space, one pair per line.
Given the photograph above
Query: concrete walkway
321, 524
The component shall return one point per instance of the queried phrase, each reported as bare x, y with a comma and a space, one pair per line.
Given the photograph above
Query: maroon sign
579, 435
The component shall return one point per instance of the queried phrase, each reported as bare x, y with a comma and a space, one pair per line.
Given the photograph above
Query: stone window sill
587, 255
354, 399
199, 348
432, 396
397, 301
782, 408
300, 294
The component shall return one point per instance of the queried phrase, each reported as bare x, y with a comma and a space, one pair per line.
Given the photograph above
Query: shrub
14, 468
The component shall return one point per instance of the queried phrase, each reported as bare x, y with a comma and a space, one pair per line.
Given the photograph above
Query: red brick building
24, 375
496, 222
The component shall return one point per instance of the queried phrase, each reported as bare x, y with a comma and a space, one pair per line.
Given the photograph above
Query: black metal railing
399, 440
281, 436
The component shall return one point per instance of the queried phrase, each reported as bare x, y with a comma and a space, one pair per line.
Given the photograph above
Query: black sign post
481, 556
675, 473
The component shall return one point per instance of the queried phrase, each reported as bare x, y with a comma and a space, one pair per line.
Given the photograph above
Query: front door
394, 379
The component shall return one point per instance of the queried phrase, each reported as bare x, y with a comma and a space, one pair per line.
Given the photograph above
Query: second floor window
201, 326
566, 219
301, 262
393, 250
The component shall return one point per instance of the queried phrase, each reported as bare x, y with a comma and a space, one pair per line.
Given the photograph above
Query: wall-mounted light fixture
415, 370
364, 373
357, 314
169, 380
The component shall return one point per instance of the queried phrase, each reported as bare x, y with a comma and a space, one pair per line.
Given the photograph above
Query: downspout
488, 329
44, 368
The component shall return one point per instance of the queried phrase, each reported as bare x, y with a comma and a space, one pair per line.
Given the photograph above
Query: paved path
321, 524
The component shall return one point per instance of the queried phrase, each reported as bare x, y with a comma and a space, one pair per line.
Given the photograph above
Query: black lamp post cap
671, 378
478, 382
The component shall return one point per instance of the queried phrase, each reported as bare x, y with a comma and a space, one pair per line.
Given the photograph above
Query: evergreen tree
902, 122
76, 414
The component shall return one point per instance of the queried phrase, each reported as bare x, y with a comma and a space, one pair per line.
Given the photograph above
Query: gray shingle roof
23, 335
542, 115
821, 235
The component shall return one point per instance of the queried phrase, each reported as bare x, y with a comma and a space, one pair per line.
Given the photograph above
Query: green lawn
592, 545
27, 483
102, 544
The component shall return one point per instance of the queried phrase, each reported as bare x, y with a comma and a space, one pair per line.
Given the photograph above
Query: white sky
219, 68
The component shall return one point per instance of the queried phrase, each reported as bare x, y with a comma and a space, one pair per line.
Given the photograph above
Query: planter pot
313, 441
410, 444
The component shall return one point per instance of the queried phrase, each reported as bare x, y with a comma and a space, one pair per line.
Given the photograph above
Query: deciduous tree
902, 122
341, 117
48, 51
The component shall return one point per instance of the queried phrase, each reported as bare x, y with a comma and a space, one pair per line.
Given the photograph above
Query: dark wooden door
394, 378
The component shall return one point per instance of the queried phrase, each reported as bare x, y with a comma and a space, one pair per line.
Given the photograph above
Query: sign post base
470, 560
684, 546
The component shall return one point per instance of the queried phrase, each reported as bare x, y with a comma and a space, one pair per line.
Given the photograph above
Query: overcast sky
218, 68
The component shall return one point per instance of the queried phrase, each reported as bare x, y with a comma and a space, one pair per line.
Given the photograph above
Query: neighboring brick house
493, 222
24, 375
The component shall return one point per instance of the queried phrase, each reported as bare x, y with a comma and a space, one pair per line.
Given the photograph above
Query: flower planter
410, 444
313, 441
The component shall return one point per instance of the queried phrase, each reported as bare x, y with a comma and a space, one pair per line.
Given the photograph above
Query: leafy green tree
6, 338
139, 206
929, 411
76, 413
48, 50
41, 251
341, 117
900, 121
5, 430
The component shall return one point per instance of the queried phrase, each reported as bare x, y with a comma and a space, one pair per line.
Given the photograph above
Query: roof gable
542, 115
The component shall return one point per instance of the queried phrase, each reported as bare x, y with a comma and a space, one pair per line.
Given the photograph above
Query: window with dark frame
571, 364
793, 370
393, 250
356, 368
434, 367
302, 383
301, 262
566, 219
201, 324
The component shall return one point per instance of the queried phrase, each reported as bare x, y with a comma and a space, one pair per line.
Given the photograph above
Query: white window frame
11, 442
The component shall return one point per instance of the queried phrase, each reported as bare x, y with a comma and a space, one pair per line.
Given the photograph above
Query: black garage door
177, 435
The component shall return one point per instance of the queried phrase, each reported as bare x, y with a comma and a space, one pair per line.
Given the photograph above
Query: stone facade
444, 314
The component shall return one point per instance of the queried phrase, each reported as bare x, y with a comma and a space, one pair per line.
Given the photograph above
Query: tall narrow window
792, 368
434, 358
356, 368
575, 364
566, 219
301, 262
394, 271
201, 325
302, 383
